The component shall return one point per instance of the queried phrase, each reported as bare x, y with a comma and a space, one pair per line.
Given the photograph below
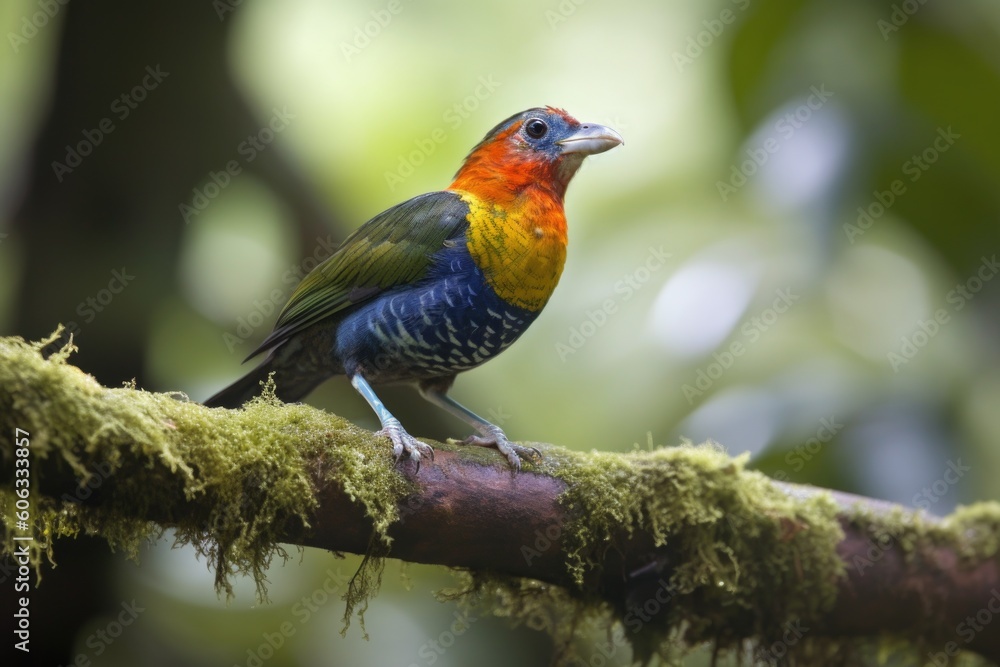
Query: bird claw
404, 443
513, 452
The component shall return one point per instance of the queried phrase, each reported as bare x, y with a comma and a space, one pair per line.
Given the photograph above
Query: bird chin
568, 165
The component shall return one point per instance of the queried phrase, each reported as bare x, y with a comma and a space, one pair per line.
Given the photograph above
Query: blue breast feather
448, 322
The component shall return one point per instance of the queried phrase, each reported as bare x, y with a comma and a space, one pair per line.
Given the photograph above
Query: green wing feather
393, 248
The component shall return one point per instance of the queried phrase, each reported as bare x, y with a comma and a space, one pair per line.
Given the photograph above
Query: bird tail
289, 385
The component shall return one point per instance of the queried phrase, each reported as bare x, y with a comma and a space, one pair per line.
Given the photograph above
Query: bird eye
536, 128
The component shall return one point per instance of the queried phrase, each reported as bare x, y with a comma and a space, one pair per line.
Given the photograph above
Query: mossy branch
679, 545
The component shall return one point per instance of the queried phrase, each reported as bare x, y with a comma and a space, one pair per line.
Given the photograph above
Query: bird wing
394, 248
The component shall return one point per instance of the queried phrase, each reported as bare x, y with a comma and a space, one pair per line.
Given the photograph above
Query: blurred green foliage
825, 178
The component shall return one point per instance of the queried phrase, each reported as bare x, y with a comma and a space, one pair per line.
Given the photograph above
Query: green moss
976, 528
743, 559
230, 483
739, 560
973, 530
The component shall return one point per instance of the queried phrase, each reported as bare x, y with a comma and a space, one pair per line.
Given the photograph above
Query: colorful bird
438, 284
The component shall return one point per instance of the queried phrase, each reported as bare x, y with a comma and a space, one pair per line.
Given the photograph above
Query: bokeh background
794, 254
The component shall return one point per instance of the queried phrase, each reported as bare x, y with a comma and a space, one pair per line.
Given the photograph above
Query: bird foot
496, 438
404, 443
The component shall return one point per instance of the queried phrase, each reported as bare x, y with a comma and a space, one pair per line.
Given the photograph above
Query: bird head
541, 147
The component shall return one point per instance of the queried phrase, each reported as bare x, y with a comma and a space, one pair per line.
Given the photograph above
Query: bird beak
590, 139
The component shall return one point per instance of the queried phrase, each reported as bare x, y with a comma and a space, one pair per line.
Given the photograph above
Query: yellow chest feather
520, 249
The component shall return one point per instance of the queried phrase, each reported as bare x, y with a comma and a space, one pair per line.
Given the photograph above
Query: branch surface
680, 534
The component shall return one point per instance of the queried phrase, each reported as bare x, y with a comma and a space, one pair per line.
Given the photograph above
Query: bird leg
402, 442
491, 435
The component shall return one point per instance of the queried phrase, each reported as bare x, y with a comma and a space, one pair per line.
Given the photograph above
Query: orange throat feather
517, 226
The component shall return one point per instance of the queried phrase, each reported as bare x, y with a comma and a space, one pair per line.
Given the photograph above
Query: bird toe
513, 452
405, 445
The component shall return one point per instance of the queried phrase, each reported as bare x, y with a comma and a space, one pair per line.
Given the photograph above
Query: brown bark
473, 516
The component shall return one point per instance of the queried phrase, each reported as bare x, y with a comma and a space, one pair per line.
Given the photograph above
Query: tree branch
677, 538
465, 514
